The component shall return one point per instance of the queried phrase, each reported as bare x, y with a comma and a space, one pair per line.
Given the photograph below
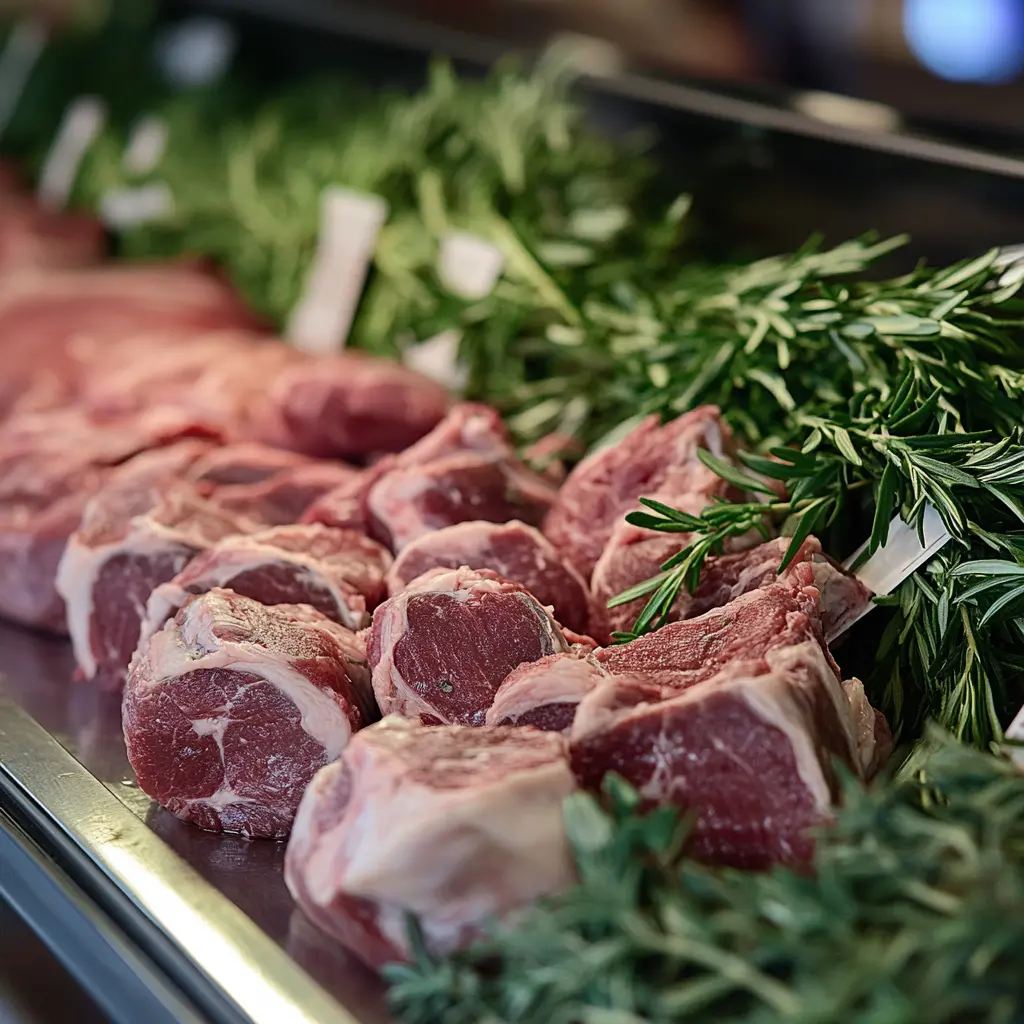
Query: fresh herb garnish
915, 911
903, 397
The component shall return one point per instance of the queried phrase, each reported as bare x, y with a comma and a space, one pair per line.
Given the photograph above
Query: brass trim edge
220, 942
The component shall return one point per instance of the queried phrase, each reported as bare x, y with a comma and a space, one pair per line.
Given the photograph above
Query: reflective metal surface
205, 891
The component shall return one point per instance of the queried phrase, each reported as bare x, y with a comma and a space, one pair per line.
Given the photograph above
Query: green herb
906, 398
915, 912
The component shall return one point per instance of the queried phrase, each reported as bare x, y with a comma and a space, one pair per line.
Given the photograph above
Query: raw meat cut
232, 707
349, 406
750, 750
140, 530
687, 652
546, 693
632, 556
440, 650
513, 550
338, 572
283, 498
723, 579
651, 461
468, 427
245, 463
456, 826
46, 315
548, 455
405, 504
874, 740
50, 465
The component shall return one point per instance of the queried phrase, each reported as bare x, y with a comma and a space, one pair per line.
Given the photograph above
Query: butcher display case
160, 921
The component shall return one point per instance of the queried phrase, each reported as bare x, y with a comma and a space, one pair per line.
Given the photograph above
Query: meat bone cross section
685, 653
457, 826
440, 650
546, 693
650, 460
749, 751
140, 530
338, 572
232, 707
513, 550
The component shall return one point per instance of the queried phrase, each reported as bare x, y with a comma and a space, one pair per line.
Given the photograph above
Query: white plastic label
24, 46
349, 225
130, 207
438, 359
1015, 731
900, 555
469, 266
83, 121
146, 145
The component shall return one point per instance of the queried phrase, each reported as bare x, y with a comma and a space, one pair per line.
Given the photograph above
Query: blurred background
954, 62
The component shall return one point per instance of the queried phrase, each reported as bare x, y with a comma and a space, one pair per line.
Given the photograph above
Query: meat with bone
652, 460
687, 652
245, 463
440, 650
351, 405
874, 739
456, 826
513, 550
750, 750
340, 573
138, 531
406, 504
633, 556
723, 579
468, 427
282, 499
52, 322
232, 708
50, 466
546, 693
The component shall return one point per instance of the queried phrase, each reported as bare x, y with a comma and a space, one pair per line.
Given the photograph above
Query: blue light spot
967, 40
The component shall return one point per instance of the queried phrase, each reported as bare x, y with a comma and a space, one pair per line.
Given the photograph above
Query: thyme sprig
915, 911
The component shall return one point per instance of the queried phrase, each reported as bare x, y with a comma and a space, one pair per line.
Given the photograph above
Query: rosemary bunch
890, 397
915, 911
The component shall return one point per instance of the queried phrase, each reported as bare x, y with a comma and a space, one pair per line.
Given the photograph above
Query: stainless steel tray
157, 919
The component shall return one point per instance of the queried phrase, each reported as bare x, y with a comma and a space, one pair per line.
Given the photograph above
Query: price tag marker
349, 226
132, 207
146, 145
82, 122
902, 554
24, 47
469, 267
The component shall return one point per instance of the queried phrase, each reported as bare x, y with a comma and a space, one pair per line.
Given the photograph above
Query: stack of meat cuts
328, 592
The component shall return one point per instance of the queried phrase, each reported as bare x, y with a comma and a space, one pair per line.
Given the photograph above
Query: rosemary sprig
915, 911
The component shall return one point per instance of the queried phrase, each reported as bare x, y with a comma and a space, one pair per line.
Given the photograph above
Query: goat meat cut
340, 573
750, 751
651, 460
138, 531
688, 652
405, 504
50, 466
514, 550
455, 826
232, 708
546, 693
440, 650
468, 428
